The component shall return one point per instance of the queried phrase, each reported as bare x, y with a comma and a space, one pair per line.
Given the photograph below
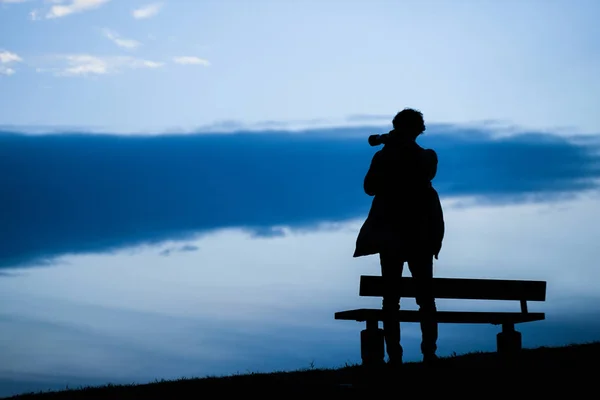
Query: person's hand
436, 252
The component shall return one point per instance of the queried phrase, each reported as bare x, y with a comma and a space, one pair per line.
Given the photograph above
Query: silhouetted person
405, 224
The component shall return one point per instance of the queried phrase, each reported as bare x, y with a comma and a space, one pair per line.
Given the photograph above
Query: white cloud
119, 41
62, 8
34, 15
86, 65
6, 70
147, 11
6, 58
191, 60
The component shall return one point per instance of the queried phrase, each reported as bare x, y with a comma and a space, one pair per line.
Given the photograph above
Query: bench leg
509, 340
372, 344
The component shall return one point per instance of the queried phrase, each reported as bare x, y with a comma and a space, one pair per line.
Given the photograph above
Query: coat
406, 213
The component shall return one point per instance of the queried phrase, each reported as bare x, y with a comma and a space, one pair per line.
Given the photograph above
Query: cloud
35, 15
6, 70
191, 60
147, 11
183, 249
68, 193
86, 65
268, 232
119, 41
60, 10
368, 117
6, 59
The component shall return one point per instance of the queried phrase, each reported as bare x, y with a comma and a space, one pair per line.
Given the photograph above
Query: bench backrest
469, 289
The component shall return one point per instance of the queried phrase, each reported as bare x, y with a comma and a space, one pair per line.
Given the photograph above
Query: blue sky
181, 182
531, 63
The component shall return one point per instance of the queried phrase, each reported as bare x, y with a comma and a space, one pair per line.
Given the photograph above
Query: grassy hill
567, 370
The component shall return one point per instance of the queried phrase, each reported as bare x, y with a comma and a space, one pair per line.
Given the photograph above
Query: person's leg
391, 271
421, 268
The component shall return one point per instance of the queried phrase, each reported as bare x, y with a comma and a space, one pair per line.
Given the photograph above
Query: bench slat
464, 317
457, 288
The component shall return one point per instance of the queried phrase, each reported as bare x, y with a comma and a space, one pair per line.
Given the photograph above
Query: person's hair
409, 121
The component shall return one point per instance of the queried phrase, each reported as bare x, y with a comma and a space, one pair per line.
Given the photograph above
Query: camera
377, 140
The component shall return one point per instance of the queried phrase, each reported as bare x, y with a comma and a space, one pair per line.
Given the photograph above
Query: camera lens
376, 140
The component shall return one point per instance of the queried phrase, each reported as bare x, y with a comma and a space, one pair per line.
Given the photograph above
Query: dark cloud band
78, 193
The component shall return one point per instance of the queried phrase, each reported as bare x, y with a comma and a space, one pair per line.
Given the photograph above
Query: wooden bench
508, 340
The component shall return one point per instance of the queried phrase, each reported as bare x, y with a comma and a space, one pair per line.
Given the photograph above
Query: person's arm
438, 226
373, 177
430, 163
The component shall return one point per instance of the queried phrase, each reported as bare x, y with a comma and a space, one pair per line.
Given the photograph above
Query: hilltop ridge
543, 370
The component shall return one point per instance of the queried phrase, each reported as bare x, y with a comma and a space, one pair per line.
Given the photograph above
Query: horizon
181, 189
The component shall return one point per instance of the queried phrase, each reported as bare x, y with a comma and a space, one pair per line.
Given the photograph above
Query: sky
181, 182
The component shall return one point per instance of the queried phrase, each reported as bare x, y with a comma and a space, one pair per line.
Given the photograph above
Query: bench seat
460, 317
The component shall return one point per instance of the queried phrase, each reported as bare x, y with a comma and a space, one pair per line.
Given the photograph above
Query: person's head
409, 122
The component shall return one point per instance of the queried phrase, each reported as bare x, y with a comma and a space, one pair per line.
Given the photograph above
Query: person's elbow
370, 191
431, 164
369, 188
